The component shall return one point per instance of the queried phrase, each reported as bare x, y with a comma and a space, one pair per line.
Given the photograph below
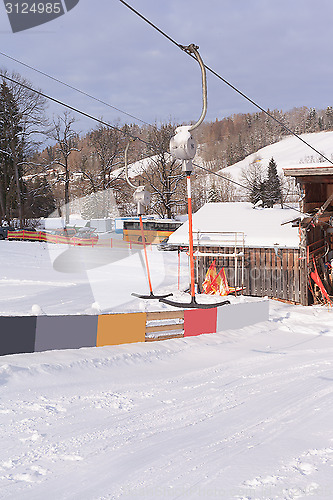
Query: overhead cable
72, 87
128, 134
72, 108
181, 47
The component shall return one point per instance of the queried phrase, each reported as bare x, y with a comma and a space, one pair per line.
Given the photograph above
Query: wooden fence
276, 273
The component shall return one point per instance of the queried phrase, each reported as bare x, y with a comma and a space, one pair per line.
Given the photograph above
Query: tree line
46, 164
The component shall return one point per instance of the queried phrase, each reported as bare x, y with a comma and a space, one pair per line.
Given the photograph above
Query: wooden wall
266, 273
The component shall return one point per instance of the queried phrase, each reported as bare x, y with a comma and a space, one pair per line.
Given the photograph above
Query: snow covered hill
289, 151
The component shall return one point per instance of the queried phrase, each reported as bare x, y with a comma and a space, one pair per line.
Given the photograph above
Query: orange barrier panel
115, 329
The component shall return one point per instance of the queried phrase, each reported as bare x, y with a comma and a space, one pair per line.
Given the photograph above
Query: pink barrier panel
198, 321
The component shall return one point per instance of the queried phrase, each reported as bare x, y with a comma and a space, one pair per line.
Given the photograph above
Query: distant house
258, 248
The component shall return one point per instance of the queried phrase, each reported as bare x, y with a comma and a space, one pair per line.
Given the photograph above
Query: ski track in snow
238, 415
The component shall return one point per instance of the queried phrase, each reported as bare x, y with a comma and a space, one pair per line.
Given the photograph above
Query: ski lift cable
72, 87
128, 134
233, 87
76, 110
102, 122
241, 185
139, 119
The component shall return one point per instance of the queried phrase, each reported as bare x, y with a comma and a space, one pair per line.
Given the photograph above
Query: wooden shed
258, 248
316, 228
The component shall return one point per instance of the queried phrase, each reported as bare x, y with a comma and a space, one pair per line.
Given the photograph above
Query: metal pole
146, 257
190, 233
236, 264
178, 269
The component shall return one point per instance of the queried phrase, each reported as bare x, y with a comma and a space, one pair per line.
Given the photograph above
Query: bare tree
163, 175
66, 143
253, 177
101, 160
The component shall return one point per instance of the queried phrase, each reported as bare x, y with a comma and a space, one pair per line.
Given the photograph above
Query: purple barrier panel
198, 321
65, 332
17, 334
235, 316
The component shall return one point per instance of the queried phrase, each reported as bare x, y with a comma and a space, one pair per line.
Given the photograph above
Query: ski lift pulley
142, 199
183, 147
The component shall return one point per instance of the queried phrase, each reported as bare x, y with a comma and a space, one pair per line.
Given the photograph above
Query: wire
152, 24
128, 134
242, 186
181, 47
53, 99
72, 87
220, 175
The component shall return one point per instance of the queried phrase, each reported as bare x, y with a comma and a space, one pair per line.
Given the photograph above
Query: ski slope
287, 152
245, 414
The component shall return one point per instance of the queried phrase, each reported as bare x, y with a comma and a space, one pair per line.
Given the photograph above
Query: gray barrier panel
17, 334
65, 332
235, 316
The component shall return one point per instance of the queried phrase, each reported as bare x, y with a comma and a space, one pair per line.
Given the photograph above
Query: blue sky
277, 52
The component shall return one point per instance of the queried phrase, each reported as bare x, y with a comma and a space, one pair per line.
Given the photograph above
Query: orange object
315, 276
190, 229
115, 329
216, 284
210, 277
146, 257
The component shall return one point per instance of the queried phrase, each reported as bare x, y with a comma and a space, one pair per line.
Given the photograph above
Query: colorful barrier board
114, 329
29, 333
65, 332
235, 316
198, 321
17, 334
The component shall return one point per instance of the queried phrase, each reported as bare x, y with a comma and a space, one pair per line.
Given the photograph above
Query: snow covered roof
261, 226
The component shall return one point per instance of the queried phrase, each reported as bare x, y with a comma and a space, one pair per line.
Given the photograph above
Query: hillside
289, 151
96, 162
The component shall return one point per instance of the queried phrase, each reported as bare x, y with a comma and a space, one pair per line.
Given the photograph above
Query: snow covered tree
213, 195
254, 178
272, 186
40, 199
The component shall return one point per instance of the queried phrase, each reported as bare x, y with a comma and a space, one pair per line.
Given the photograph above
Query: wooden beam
151, 316
164, 328
165, 337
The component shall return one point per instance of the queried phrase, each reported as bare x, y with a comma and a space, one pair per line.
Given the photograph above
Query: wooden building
316, 228
258, 248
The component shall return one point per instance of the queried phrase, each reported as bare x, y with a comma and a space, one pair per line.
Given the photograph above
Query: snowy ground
52, 278
244, 414
241, 415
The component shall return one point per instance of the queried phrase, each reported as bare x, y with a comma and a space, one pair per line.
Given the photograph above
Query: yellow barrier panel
115, 329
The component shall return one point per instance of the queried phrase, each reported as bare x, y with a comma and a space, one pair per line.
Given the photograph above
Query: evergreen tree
272, 186
39, 198
11, 156
213, 195
257, 192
